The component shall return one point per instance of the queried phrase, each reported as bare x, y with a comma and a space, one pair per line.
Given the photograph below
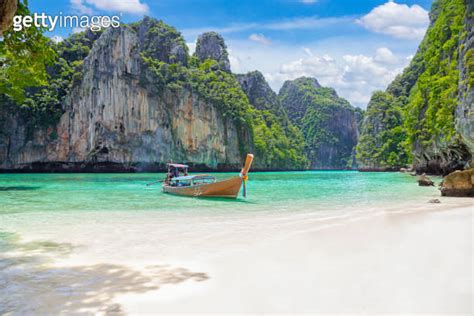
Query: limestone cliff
329, 123
132, 99
379, 147
465, 109
261, 96
211, 45
115, 117
432, 100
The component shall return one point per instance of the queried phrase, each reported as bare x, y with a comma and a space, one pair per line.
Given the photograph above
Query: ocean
72, 243
315, 191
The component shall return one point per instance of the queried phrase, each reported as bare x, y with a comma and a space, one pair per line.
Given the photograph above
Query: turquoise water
270, 191
58, 232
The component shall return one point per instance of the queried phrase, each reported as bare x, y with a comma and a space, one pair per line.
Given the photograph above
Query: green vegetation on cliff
421, 101
36, 73
382, 136
47, 101
328, 123
275, 146
165, 55
161, 41
429, 115
42, 106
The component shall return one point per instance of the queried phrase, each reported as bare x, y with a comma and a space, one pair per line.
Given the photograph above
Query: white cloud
308, 1
57, 38
323, 67
192, 47
397, 20
125, 6
288, 24
81, 7
235, 62
354, 76
306, 23
308, 51
385, 56
365, 70
260, 38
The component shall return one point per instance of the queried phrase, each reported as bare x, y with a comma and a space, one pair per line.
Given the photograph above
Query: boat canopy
177, 165
195, 177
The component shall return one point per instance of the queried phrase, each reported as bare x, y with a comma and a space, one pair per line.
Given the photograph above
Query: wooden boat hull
228, 188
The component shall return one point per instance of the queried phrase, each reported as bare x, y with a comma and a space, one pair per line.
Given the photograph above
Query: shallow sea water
74, 242
270, 191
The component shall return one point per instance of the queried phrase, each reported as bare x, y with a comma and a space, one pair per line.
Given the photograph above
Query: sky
355, 47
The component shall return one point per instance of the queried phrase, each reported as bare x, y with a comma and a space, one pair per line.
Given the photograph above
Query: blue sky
354, 46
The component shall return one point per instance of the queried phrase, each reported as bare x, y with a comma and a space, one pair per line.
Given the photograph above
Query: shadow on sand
29, 285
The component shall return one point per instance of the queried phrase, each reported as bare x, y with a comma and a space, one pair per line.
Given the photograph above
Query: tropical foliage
316, 111
275, 146
24, 56
382, 137
417, 111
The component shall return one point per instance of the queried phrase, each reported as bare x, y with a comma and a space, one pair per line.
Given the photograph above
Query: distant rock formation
294, 98
378, 147
260, 95
161, 41
329, 123
131, 100
211, 45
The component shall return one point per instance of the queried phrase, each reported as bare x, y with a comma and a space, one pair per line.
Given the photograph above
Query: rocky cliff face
161, 42
294, 98
131, 99
329, 123
117, 117
211, 45
379, 147
20, 145
434, 97
465, 110
260, 95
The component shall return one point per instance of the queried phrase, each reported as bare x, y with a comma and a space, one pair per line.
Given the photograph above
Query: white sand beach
418, 260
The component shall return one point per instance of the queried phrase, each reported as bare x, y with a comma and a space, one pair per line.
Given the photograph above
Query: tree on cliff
382, 137
328, 123
24, 56
423, 101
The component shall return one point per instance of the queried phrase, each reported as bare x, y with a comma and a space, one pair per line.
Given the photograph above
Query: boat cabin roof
195, 177
177, 165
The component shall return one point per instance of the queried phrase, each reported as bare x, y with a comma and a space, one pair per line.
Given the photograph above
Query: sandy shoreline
404, 263
416, 260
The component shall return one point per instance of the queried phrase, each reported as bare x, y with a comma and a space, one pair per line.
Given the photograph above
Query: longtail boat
204, 185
